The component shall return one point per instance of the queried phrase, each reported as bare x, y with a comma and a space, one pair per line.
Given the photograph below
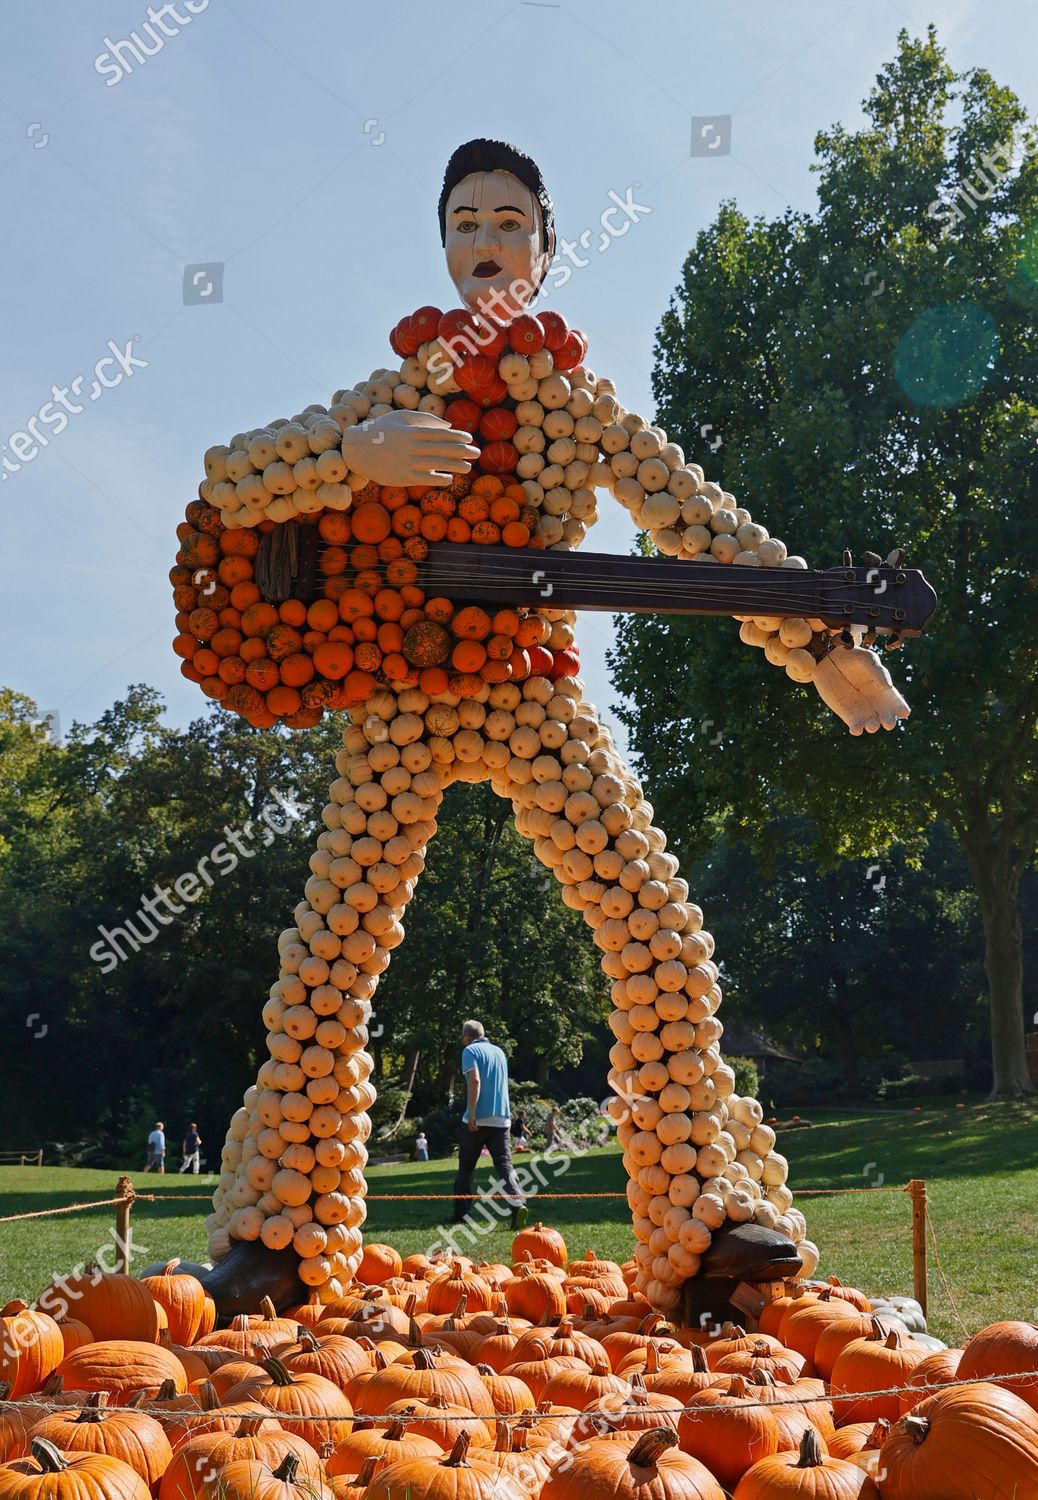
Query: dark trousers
470, 1144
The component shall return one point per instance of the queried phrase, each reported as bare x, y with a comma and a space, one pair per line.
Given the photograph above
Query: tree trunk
842, 1022
408, 1078
998, 888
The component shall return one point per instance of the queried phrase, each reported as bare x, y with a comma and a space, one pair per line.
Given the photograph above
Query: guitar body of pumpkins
297, 593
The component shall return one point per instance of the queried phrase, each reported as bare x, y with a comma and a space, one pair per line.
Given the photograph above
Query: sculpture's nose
487, 239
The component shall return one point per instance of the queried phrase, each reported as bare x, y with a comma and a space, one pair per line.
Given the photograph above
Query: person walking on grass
486, 1122
191, 1148
156, 1148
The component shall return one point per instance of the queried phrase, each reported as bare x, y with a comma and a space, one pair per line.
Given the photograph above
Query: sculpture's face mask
494, 243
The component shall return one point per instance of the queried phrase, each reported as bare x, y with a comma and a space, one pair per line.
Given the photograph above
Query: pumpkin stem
268, 1309
167, 1390
651, 1323
485, 1370
916, 1427
879, 1433
249, 1426
503, 1438
462, 1303
397, 1429
762, 1377
652, 1357
458, 1456
893, 1339
240, 1323
307, 1342
424, 1359
368, 1469
50, 1459
279, 1373
639, 1391
170, 1266
95, 1409
647, 1450
810, 1450
13, 1308
52, 1386
136, 1398
288, 1468
699, 1363
207, 1396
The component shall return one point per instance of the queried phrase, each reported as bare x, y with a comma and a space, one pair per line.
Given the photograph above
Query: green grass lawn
981, 1164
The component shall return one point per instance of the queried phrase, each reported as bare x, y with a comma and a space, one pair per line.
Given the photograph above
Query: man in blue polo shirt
486, 1121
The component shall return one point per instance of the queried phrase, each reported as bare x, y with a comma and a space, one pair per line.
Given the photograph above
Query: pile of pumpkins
446, 1378
549, 431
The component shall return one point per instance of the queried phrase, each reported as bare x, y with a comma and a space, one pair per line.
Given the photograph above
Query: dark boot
248, 1273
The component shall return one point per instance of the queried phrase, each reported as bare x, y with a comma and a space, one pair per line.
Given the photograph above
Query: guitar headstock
886, 599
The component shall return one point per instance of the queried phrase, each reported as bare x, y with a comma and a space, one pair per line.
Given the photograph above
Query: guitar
884, 599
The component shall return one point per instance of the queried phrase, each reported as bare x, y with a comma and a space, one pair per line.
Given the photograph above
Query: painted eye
467, 226
510, 224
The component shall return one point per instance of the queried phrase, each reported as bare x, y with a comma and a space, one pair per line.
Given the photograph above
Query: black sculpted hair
482, 155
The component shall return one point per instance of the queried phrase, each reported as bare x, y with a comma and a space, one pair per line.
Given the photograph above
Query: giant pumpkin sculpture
343, 560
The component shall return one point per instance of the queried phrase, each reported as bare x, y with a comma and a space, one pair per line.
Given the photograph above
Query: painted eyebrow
468, 208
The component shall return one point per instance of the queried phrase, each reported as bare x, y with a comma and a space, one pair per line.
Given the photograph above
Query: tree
161, 1017
872, 369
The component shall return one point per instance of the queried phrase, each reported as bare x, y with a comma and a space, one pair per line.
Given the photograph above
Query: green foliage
747, 1079
173, 1032
833, 354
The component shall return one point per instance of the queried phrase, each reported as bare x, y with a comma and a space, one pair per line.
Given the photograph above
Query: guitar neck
884, 599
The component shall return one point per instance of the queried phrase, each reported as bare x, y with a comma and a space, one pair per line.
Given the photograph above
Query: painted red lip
486, 268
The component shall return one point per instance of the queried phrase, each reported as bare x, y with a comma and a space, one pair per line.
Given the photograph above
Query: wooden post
39, 1157
123, 1191
917, 1190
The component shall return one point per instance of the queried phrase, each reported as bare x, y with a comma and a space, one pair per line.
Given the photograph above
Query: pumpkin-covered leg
699, 1158
293, 1162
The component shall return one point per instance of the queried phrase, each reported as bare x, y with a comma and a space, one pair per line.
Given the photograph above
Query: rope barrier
944, 1280
284, 1417
70, 1208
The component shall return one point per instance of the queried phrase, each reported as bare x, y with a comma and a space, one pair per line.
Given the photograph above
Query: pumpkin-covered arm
689, 516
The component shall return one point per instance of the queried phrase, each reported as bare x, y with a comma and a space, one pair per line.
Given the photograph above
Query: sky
225, 231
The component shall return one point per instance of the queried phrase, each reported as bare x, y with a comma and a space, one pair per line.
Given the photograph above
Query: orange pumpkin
652, 1466
533, 1296
805, 1472
113, 1305
1004, 1349
304, 1403
960, 1435
939, 1368
48, 1475
31, 1347
198, 1461
453, 1476
121, 1367
380, 1262
183, 1298
252, 1479
124, 1433
540, 1242
392, 1443
729, 1431
875, 1363
426, 1376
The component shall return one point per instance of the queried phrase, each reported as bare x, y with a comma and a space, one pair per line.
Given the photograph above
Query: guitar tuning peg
848, 560
893, 644
871, 559
896, 558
